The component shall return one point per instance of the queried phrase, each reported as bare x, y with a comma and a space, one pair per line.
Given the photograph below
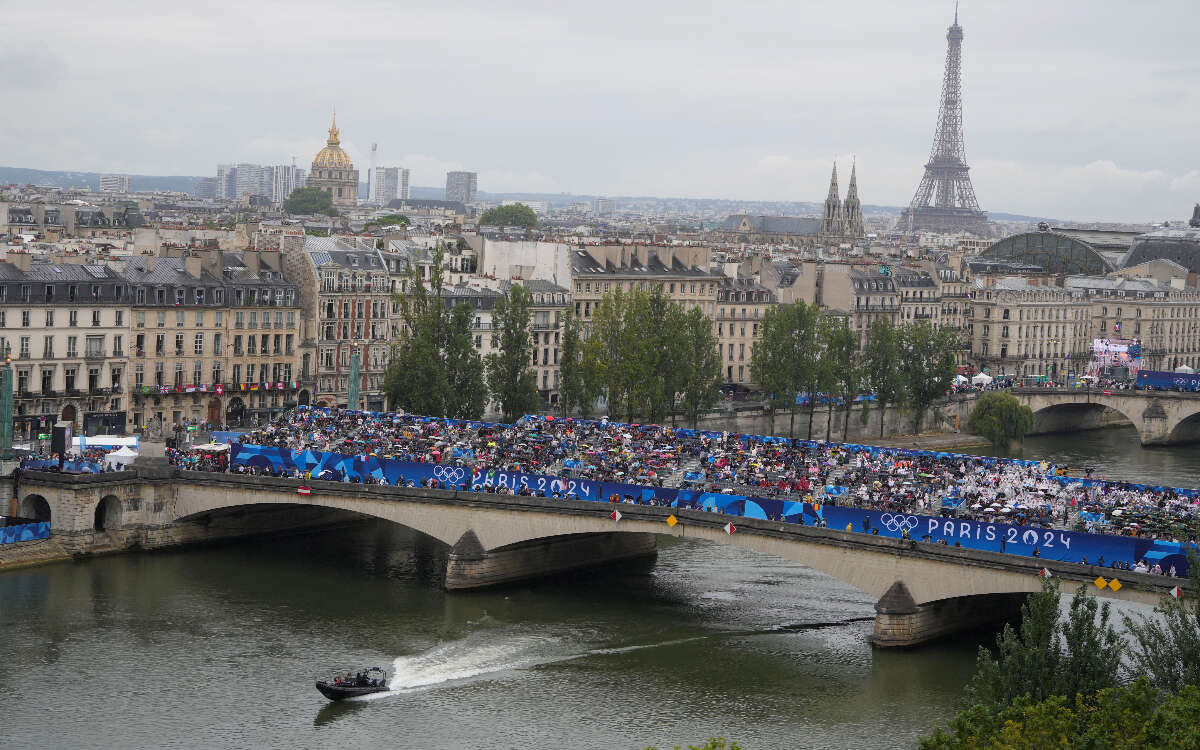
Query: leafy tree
510, 378
1166, 648
769, 363
1132, 717
881, 362
844, 367
392, 220
1044, 658
416, 379
660, 352
700, 366
1001, 418
611, 353
310, 201
579, 386
926, 365
512, 215
466, 395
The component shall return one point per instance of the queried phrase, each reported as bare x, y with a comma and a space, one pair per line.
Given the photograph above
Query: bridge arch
1186, 430
1071, 415
107, 514
36, 507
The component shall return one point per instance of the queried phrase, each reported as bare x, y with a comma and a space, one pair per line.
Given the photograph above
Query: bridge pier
470, 566
901, 622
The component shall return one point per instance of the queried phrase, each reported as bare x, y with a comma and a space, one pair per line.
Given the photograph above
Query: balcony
543, 326
94, 354
23, 355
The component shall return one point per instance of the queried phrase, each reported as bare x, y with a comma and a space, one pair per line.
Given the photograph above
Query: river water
217, 647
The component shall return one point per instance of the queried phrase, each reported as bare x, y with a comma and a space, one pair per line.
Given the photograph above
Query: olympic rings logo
449, 474
898, 522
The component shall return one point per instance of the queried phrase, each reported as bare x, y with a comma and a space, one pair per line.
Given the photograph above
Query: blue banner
1051, 544
24, 533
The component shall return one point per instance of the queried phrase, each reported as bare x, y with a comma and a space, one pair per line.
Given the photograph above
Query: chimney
252, 260
22, 261
193, 264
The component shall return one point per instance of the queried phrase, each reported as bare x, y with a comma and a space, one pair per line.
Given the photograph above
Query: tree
512, 215
392, 220
881, 362
714, 743
1044, 658
1132, 717
1001, 418
416, 379
769, 364
1166, 648
510, 378
659, 350
700, 367
844, 367
310, 201
926, 365
578, 385
466, 395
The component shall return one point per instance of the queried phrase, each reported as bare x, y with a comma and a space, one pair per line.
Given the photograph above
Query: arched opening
214, 411
1077, 416
1187, 431
304, 398
68, 413
107, 514
36, 508
236, 411
322, 403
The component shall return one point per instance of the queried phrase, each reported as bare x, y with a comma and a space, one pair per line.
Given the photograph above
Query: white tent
122, 457
211, 448
960, 379
1184, 369
981, 379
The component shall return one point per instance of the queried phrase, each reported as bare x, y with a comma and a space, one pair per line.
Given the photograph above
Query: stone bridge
924, 590
1161, 417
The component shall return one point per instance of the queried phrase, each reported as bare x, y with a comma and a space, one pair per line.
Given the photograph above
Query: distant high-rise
389, 184
206, 187
226, 181
605, 206
460, 186
114, 183
285, 178
252, 179
945, 199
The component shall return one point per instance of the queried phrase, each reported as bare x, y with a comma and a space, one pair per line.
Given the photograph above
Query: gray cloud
1072, 110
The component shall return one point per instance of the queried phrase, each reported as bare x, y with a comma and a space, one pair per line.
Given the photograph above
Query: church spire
833, 222
334, 140
852, 209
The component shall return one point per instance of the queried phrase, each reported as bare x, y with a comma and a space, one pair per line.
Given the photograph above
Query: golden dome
332, 156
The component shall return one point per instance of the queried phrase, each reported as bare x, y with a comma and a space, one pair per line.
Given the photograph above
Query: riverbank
956, 442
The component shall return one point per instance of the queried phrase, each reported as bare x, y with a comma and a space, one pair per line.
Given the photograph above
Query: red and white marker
304, 491
615, 515
730, 528
1045, 573
1177, 592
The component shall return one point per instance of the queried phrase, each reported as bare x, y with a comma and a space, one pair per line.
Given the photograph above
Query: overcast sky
1074, 110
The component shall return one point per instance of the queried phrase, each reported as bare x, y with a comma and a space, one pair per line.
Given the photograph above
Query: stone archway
107, 514
35, 507
68, 413
304, 398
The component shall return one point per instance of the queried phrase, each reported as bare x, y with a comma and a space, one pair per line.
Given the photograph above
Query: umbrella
1006, 510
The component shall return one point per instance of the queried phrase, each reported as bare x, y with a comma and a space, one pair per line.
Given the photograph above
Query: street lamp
6, 405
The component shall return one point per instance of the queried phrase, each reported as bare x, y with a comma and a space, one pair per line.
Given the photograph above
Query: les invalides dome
333, 172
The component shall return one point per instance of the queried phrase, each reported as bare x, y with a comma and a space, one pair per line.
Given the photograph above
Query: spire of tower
852, 190
833, 183
852, 208
955, 12
833, 222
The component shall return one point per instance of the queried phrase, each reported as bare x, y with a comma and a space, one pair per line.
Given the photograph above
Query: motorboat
373, 680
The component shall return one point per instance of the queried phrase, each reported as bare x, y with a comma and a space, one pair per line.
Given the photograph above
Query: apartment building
1024, 327
865, 293
741, 306
214, 337
345, 290
65, 327
681, 272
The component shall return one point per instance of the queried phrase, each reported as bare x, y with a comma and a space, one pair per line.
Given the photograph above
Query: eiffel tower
945, 200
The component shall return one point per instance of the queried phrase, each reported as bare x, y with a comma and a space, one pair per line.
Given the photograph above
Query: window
118, 318
158, 373
237, 346
118, 346
220, 318
139, 375
198, 344
251, 344
253, 320
95, 318
238, 321
217, 343
72, 346
49, 318
160, 343
24, 349
162, 319
69, 378
199, 318
179, 343
48, 347
179, 318
25, 318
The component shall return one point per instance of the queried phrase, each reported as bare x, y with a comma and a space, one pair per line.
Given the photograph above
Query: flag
304, 491
279, 386
615, 515
220, 388
190, 389
730, 528
1044, 573
1177, 592
254, 386
242, 386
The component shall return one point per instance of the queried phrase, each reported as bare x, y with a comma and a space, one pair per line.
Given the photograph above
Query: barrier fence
24, 533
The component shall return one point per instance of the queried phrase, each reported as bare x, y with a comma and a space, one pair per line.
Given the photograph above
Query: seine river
218, 647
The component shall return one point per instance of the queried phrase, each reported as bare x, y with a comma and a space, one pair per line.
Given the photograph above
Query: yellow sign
1114, 584
672, 520
1100, 582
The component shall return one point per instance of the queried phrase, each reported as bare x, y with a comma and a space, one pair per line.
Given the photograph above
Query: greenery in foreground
714, 743
1001, 418
1078, 683
310, 201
